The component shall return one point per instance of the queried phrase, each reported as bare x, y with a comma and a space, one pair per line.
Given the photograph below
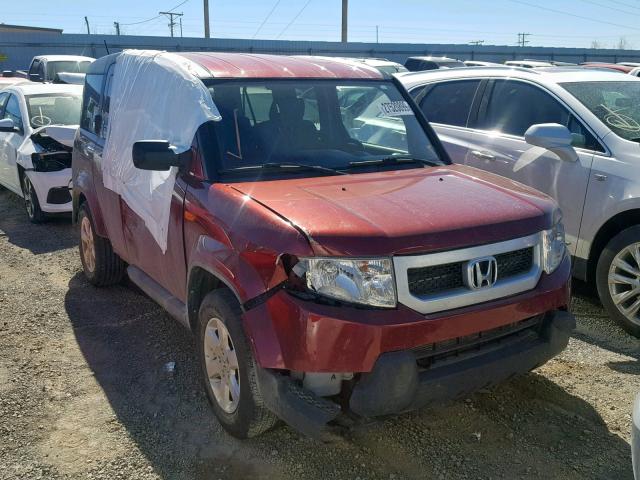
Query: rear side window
450, 103
91, 102
106, 103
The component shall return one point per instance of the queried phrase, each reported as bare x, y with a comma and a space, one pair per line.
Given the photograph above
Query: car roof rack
474, 69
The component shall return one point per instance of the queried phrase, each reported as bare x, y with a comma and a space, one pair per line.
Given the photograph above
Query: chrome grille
436, 282
440, 278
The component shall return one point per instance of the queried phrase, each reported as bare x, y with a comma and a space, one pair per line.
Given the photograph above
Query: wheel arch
612, 227
21, 173
201, 281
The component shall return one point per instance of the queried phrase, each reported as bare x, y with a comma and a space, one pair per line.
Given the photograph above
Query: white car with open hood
37, 126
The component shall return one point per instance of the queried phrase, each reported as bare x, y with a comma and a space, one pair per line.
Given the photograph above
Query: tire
31, 202
103, 267
626, 247
247, 416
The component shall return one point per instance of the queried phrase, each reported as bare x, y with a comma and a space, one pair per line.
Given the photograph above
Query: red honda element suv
330, 260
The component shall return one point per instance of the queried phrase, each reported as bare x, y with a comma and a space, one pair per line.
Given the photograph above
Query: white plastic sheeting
154, 96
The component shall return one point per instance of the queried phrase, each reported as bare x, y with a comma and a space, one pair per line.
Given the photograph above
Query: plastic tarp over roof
154, 96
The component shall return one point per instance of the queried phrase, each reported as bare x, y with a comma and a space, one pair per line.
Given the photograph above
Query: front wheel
229, 369
31, 203
618, 279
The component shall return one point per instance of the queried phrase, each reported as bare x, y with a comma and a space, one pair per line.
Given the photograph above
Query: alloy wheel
88, 247
27, 190
624, 282
222, 367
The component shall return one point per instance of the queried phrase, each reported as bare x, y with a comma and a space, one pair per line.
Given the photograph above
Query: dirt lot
84, 394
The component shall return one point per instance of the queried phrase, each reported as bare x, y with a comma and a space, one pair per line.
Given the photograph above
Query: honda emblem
481, 273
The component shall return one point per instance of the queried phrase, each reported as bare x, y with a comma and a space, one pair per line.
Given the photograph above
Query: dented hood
63, 134
404, 211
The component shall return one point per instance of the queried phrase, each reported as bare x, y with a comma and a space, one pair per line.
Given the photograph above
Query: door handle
482, 155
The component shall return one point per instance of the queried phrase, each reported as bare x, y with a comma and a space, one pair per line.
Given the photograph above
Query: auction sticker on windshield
395, 109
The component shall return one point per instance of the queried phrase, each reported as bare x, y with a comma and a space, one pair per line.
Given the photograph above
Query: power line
625, 4
294, 18
573, 15
157, 16
267, 17
609, 7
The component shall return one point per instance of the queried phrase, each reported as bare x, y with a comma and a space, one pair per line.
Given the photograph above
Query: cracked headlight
553, 247
363, 281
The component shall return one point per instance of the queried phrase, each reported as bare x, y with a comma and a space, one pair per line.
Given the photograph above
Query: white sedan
37, 126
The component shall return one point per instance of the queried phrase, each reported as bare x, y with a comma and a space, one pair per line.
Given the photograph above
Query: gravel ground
84, 394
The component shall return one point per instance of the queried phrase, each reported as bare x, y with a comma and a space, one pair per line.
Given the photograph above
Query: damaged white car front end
45, 157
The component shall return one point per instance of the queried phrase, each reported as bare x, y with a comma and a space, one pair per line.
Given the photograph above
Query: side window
106, 103
450, 103
582, 138
12, 111
515, 106
91, 102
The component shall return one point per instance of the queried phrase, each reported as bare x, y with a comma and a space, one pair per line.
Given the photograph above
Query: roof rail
474, 69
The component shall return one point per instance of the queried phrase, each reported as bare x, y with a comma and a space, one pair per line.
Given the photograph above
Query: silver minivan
569, 132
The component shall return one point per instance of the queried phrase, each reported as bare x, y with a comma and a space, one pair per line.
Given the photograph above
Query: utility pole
117, 25
180, 27
476, 42
345, 19
86, 20
206, 19
377, 34
522, 39
172, 23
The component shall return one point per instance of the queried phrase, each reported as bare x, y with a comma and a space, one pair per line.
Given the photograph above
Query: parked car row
304, 220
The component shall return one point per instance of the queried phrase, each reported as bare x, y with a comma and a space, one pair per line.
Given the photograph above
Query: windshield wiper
286, 166
393, 160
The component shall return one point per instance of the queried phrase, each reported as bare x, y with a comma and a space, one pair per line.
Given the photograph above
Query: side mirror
554, 137
35, 77
157, 155
7, 125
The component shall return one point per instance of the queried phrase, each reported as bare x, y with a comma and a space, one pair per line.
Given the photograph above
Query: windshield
325, 123
616, 104
66, 66
53, 109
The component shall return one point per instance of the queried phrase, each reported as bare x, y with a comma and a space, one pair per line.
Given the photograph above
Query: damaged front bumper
52, 189
409, 380
401, 360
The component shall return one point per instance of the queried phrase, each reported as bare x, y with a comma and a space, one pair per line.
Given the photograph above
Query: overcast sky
566, 23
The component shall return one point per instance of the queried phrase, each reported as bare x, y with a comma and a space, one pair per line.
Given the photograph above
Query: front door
497, 144
9, 144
